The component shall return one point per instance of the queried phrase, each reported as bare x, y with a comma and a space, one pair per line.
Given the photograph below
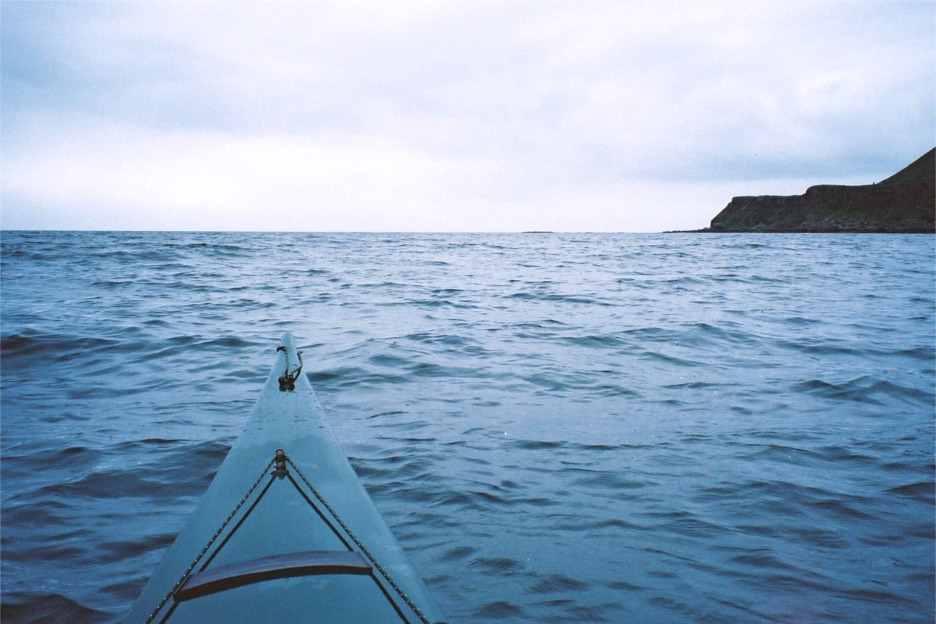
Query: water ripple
557, 427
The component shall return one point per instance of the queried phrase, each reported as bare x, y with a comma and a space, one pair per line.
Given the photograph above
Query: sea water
557, 427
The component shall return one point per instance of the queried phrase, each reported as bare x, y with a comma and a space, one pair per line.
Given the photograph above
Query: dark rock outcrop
904, 202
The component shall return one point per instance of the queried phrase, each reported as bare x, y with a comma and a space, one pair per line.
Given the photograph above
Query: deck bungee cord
249, 552
284, 565
188, 571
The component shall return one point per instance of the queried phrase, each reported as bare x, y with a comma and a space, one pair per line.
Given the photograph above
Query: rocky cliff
904, 202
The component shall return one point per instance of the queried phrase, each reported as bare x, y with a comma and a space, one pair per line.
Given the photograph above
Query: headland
903, 203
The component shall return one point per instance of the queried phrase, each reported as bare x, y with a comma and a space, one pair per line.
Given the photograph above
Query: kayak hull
273, 513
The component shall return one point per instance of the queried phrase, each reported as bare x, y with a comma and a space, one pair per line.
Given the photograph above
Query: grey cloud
520, 97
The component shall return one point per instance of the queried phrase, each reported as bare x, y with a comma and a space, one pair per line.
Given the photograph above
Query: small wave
669, 359
499, 610
764, 560
818, 537
458, 553
37, 344
607, 481
802, 321
124, 257
594, 341
447, 340
537, 445
33, 608
685, 523
557, 298
125, 549
187, 467
924, 354
865, 390
786, 454
557, 583
837, 453
497, 565
820, 348
923, 491
874, 595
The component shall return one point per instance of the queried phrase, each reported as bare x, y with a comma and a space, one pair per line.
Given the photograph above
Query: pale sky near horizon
450, 116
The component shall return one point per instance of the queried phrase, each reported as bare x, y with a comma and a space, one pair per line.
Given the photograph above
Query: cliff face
904, 202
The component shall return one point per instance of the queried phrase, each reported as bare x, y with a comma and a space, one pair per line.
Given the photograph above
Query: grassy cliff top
923, 167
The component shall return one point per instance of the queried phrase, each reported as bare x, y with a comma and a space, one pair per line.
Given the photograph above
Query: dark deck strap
307, 563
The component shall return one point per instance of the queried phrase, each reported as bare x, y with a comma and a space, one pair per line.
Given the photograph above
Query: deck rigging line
301, 567
194, 563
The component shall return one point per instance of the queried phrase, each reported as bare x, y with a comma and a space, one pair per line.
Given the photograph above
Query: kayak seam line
359, 544
162, 603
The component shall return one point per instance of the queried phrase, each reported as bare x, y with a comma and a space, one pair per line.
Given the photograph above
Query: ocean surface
557, 427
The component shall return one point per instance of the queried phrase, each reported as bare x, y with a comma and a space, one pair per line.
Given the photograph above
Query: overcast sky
450, 116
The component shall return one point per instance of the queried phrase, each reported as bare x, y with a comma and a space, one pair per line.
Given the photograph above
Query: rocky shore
902, 203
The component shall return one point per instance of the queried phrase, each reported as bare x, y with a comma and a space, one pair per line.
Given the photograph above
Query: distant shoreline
904, 203
795, 231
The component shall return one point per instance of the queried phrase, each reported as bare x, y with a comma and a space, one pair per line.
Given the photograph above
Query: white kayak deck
292, 537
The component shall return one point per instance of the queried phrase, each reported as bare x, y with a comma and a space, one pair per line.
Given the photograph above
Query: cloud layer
622, 116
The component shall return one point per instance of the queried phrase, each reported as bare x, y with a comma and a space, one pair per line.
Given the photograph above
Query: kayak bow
285, 532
